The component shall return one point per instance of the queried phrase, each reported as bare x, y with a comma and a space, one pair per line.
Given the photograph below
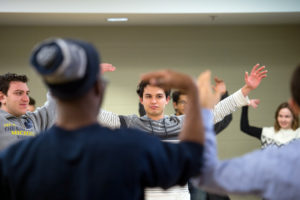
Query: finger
262, 76
108, 66
254, 68
260, 69
214, 88
246, 76
204, 78
263, 72
216, 79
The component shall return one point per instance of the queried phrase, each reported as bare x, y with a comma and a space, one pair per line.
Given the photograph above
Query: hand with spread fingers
253, 80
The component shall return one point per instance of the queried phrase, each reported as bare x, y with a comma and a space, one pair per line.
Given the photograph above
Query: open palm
257, 74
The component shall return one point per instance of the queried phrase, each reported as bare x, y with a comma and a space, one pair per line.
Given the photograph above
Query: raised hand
254, 103
220, 86
168, 79
208, 99
107, 67
253, 80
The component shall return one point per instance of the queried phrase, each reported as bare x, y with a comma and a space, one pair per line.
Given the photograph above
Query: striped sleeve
109, 119
229, 105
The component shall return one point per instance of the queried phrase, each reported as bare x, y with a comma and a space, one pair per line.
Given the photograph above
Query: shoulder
268, 131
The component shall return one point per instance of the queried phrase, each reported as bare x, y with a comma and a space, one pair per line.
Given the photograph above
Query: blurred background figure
31, 106
285, 129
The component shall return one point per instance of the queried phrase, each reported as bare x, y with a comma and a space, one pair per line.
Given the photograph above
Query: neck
73, 116
6, 110
156, 117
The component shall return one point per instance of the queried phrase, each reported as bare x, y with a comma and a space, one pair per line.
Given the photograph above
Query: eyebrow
21, 90
154, 94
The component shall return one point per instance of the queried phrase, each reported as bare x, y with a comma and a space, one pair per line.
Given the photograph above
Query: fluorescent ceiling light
120, 19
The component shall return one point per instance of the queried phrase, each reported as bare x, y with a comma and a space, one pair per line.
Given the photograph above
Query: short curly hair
9, 77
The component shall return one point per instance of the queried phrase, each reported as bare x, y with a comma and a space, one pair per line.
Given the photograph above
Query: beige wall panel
227, 50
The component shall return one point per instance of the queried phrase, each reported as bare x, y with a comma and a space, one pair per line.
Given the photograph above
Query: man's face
17, 99
180, 105
154, 101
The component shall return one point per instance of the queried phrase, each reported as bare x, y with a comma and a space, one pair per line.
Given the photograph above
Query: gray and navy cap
68, 67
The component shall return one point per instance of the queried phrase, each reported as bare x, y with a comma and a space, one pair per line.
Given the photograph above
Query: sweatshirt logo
15, 130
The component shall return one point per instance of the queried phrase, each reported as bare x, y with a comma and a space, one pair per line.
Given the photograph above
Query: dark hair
176, 94
31, 101
295, 85
295, 122
9, 77
141, 86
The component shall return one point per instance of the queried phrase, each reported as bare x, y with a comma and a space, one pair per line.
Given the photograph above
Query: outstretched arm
240, 98
107, 118
246, 128
220, 126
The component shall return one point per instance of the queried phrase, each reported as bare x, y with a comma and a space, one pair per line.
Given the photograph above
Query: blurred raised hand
220, 86
107, 67
254, 103
208, 99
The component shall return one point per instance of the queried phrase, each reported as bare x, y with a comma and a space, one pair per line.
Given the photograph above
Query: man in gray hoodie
154, 100
15, 122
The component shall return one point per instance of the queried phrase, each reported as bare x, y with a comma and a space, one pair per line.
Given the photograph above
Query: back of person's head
68, 67
7, 78
295, 86
141, 87
295, 121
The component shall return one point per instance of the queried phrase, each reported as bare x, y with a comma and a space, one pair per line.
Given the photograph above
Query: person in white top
285, 129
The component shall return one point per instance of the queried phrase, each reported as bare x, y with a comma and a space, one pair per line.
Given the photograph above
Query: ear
99, 88
294, 106
141, 100
168, 99
2, 98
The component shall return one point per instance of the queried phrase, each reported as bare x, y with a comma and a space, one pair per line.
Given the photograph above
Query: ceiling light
120, 19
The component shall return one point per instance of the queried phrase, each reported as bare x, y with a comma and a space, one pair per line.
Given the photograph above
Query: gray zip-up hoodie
13, 129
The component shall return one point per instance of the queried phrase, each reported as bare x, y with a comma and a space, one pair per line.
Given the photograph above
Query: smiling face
285, 118
154, 101
16, 100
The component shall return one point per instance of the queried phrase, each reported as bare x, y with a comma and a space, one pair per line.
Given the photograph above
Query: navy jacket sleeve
246, 128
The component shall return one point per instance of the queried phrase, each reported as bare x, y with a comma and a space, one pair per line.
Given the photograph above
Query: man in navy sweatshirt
78, 158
